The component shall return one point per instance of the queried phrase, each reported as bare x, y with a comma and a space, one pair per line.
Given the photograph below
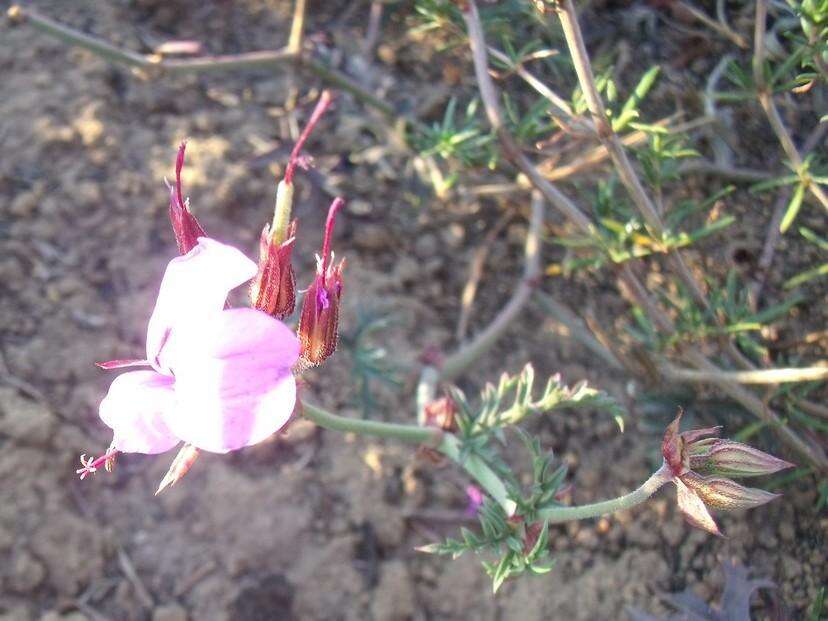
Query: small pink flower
476, 498
220, 379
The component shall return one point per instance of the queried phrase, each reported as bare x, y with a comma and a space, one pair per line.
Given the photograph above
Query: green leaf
799, 279
629, 111
793, 208
773, 183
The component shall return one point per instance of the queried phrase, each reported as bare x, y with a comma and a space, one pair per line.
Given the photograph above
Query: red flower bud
319, 320
186, 228
274, 289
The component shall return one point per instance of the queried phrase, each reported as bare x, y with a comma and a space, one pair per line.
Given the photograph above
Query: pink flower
220, 379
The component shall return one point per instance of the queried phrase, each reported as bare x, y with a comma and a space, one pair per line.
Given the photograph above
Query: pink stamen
329, 225
179, 164
321, 106
91, 465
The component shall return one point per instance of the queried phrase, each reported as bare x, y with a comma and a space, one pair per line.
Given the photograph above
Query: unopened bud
274, 289
733, 459
725, 494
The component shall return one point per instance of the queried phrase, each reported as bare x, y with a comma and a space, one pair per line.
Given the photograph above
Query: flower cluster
221, 378
699, 463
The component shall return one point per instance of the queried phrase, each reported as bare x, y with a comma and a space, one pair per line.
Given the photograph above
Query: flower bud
733, 459
319, 320
186, 228
274, 289
725, 494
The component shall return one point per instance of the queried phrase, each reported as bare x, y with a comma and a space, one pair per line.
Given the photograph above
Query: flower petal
233, 380
135, 408
193, 286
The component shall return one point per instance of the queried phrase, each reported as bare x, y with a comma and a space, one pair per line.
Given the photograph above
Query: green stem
647, 489
406, 433
446, 443
479, 470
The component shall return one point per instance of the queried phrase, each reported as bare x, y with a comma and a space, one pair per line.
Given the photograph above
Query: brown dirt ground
311, 525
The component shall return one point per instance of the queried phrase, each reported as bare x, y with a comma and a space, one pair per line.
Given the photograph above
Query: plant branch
649, 211
466, 355
567, 514
297, 27
488, 95
639, 294
759, 376
457, 362
430, 436
154, 65
719, 26
765, 95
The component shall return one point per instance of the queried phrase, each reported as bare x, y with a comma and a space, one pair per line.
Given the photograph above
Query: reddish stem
321, 106
179, 164
329, 225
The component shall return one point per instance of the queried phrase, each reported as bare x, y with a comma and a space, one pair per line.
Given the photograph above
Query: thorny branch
632, 284
765, 96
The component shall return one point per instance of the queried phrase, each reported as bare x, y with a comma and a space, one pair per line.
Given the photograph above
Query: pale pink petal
234, 387
135, 408
193, 286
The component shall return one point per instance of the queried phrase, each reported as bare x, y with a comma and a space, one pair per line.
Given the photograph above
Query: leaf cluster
519, 543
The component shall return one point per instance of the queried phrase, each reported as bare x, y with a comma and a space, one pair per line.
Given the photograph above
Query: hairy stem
446, 443
648, 488
406, 433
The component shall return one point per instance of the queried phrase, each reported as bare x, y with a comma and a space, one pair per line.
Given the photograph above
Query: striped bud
725, 494
733, 459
